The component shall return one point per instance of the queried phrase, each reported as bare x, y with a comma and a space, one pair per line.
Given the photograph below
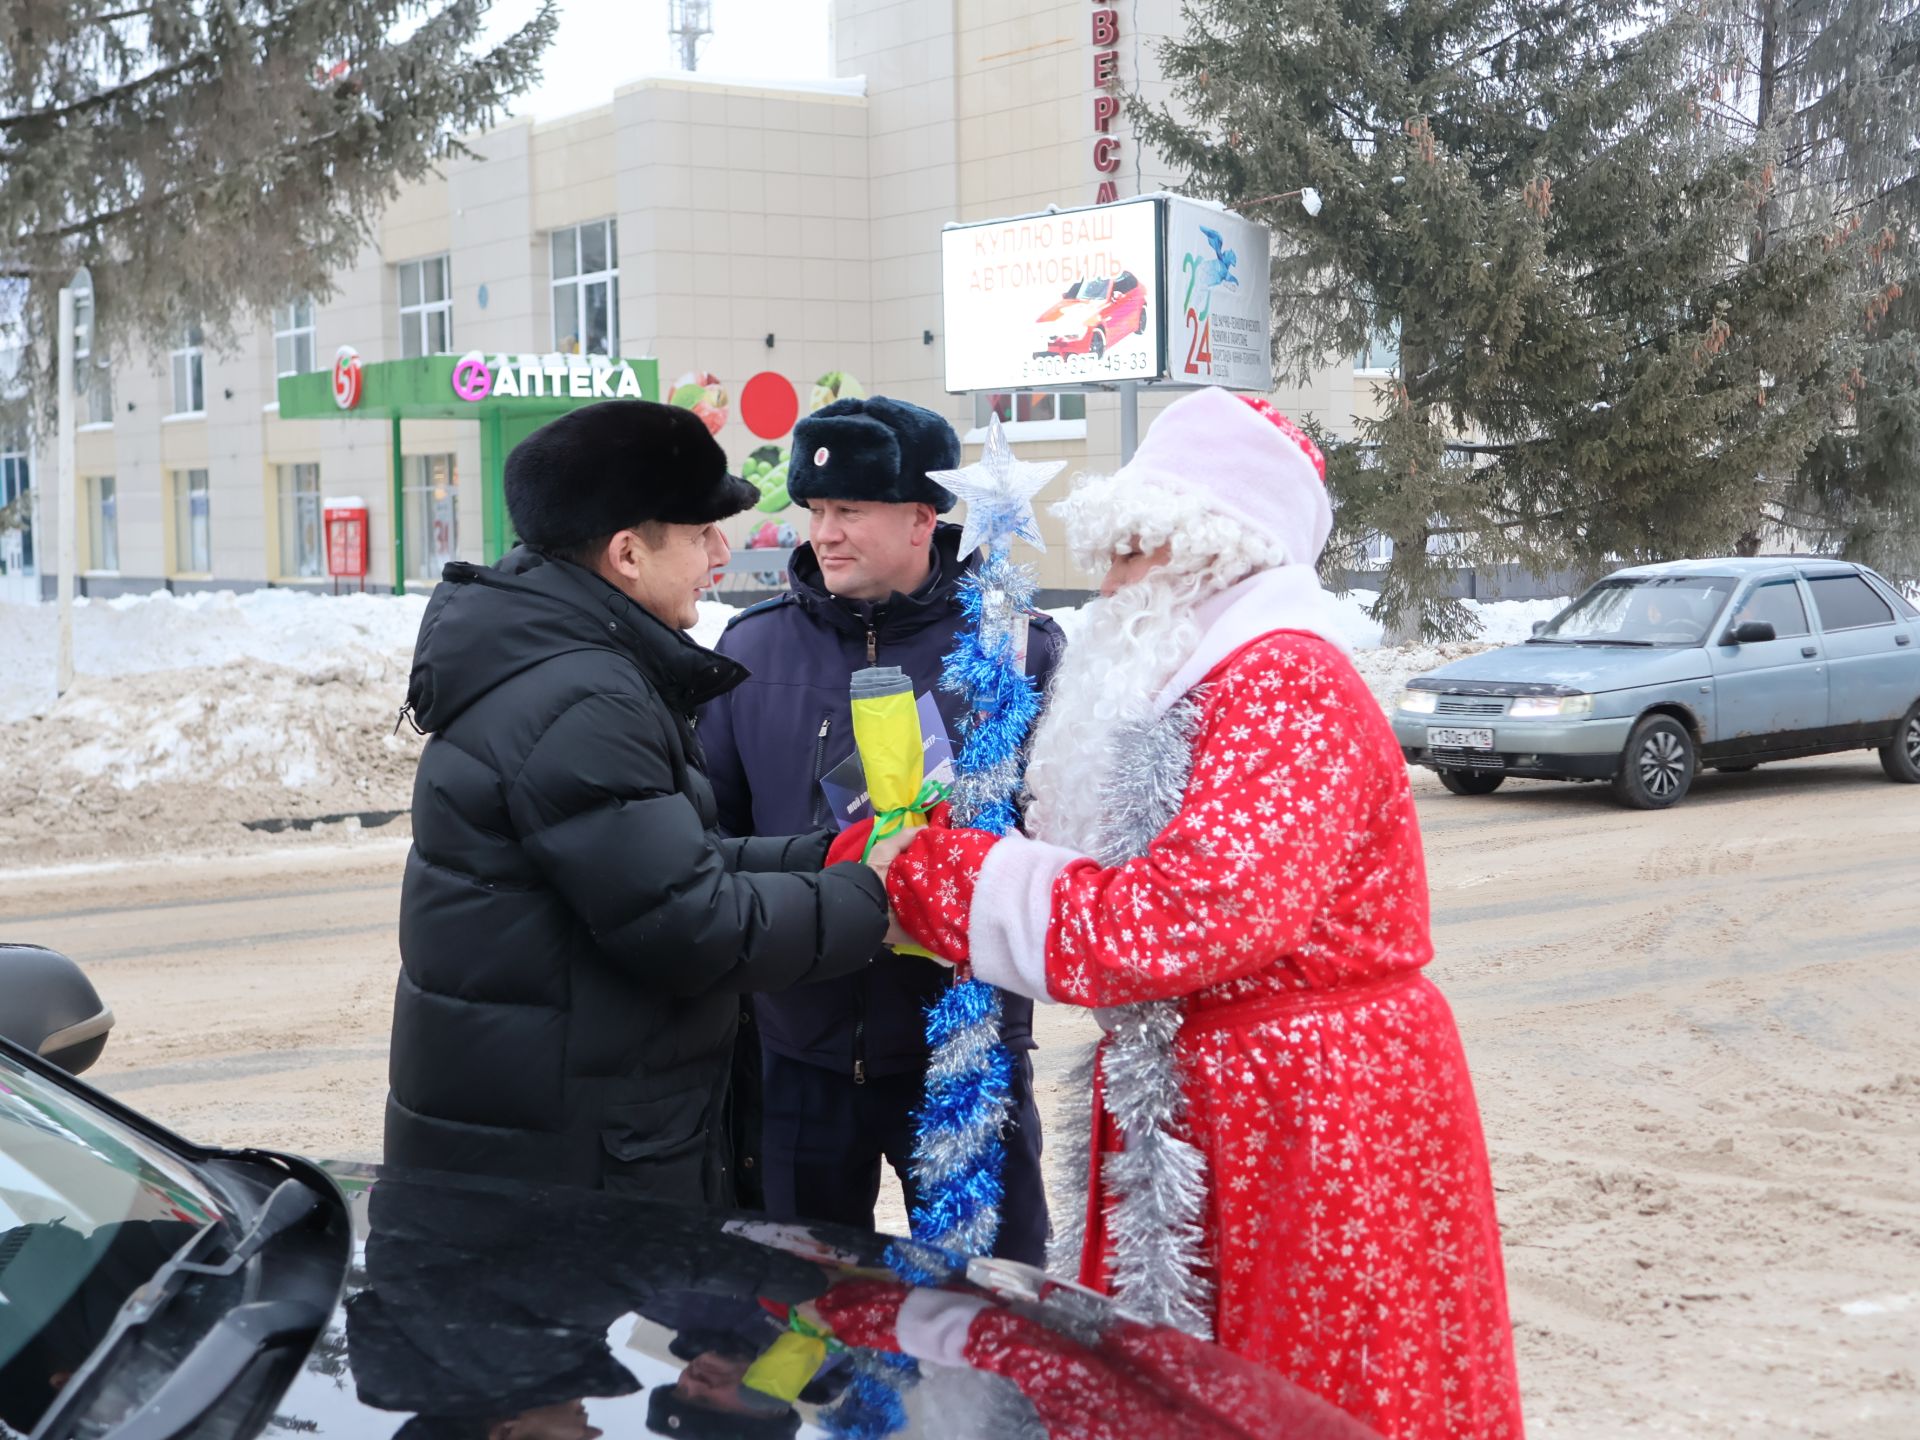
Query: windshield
1643, 610
89, 1210
1090, 290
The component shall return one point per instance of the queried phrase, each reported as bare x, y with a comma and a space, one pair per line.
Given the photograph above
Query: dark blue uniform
844, 1061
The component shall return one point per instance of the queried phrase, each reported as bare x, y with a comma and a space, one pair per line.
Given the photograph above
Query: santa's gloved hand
850, 843
864, 1313
930, 889
932, 1325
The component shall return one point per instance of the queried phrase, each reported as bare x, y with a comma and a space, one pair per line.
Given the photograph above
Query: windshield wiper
1594, 640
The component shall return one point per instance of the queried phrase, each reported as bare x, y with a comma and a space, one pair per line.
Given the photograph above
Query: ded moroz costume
1222, 858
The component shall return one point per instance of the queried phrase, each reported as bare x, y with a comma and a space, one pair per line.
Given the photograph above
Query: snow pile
1502, 622
142, 634
210, 709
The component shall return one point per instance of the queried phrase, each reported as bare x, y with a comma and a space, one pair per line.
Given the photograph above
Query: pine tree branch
108, 96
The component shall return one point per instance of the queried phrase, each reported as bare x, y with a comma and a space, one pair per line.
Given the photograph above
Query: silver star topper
999, 492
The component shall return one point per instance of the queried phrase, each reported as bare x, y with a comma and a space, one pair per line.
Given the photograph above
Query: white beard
1124, 651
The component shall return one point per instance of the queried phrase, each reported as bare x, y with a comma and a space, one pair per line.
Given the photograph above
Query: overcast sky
602, 44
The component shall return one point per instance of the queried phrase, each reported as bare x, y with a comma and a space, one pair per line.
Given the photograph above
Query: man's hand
883, 853
882, 857
897, 933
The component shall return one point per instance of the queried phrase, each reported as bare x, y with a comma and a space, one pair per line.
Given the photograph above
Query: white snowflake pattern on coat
1351, 1215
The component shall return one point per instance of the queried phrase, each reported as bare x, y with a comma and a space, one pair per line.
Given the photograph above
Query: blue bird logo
1217, 273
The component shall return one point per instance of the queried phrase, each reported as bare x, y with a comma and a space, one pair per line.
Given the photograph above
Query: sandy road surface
1696, 1038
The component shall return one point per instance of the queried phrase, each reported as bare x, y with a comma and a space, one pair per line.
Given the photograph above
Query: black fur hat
615, 465
875, 450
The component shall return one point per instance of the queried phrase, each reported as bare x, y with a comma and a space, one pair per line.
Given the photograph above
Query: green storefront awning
508, 395
465, 387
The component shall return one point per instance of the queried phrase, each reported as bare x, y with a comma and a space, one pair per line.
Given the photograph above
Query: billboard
1071, 299
1219, 281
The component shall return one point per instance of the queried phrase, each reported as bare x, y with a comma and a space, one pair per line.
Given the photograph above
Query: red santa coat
1350, 1214
1128, 1383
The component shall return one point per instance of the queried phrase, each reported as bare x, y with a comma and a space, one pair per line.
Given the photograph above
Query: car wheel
1097, 346
1900, 756
1657, 767
1141, 328
1471, 782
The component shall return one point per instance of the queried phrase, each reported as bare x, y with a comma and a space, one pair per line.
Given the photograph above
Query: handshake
856, 843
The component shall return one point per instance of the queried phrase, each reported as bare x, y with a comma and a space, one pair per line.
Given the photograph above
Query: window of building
302, 550
103, 523
430, 493
192, 524
1779, 605
1030, 415
189, 375
96, 394
1846, 602
586, 289
1381, 354
16, 490
426, 307
293, 338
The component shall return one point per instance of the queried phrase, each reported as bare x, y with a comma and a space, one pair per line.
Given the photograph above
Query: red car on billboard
1093, 316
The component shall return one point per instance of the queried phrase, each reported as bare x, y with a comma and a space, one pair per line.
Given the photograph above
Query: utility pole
689, 22
71, 343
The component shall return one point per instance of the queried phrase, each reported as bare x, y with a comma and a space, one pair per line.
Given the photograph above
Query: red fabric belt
1237, 1014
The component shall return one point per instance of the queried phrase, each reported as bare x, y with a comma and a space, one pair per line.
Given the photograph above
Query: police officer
844, 1061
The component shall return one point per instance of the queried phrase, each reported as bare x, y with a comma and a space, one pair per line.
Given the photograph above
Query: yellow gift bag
886, 731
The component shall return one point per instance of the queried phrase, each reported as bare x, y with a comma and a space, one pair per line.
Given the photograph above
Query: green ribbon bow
892, 822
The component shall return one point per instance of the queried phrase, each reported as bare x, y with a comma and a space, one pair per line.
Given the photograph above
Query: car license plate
1447, 737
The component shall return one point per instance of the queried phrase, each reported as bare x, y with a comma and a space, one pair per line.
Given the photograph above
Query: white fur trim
1011, 912
1289, 598
933, 1325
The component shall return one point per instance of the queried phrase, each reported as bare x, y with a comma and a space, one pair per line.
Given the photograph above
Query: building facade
722, 229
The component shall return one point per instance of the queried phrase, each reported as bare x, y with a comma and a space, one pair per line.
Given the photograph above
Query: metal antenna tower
690, 22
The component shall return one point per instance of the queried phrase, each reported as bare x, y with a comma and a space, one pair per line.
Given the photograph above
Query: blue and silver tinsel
958, 1155
874, 1403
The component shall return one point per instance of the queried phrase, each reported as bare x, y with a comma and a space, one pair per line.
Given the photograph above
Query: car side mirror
48, 1006
1751, 632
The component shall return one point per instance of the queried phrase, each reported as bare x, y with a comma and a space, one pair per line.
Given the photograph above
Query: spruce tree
1833, 88
209, 159
1542, 200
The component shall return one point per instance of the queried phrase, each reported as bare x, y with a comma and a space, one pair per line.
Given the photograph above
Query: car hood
1566, 669
472, 1301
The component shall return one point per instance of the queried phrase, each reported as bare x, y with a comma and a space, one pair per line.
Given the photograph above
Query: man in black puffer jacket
575, 936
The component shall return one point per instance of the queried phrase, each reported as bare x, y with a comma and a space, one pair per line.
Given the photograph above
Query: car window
1642, 610
1125, 285
1902, 606
1778, 604
1846, 602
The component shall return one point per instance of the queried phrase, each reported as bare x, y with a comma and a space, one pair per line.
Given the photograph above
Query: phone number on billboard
1132, 363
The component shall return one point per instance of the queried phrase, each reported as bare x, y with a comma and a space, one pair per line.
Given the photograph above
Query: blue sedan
1660, 670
